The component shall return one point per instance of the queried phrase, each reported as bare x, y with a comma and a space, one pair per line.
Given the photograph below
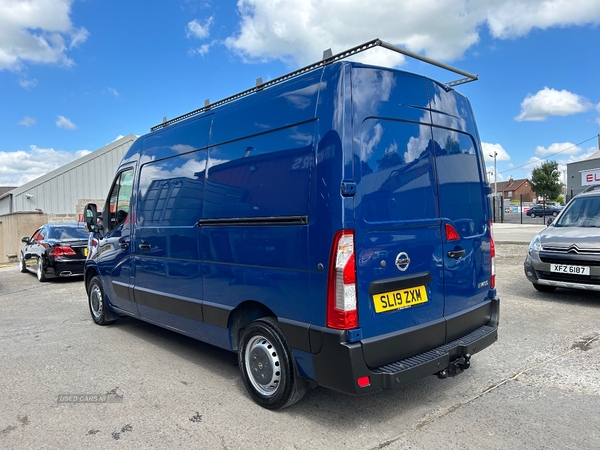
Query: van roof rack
328, 58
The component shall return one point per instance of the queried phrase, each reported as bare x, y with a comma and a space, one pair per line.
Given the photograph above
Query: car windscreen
65, 233
581, 212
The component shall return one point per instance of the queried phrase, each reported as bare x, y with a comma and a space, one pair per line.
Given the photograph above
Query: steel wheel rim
96, 301
263, 365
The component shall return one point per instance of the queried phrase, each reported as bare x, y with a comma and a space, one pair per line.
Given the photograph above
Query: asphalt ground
537, 388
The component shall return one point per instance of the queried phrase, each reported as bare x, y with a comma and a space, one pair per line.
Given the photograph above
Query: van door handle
144, 246
456, 253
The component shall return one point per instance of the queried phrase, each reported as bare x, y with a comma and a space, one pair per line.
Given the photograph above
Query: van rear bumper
340, 364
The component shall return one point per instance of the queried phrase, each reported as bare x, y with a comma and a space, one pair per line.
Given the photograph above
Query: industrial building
582, 174
58, 196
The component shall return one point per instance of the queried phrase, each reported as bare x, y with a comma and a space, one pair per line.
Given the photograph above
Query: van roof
328, 58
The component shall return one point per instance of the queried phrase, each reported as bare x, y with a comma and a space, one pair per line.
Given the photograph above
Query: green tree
544, 180
390, 159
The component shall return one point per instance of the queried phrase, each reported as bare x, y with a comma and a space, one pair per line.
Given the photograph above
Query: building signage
590, 177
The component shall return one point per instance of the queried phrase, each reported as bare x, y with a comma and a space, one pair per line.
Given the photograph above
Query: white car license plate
575, 270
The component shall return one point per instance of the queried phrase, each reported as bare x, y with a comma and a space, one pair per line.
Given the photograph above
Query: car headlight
536, 244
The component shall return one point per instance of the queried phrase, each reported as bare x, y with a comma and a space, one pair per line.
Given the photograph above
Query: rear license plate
404, 298
575, 270
85, 251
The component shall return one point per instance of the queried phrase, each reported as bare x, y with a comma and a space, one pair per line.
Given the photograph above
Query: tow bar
456, 367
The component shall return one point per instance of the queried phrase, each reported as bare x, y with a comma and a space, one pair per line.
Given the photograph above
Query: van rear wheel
267, 366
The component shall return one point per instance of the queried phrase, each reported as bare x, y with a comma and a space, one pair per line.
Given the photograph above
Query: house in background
513, 189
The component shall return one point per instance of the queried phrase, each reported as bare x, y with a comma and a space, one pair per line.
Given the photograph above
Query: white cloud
78, 37
114, 92
19, 167
27, 84
202, 50
550, 102
512, 19
297, 31
488, 152
195, 29
63, 122
27, 121
34, 31
562, 148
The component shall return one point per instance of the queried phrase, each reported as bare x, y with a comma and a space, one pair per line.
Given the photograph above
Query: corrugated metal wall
89, 177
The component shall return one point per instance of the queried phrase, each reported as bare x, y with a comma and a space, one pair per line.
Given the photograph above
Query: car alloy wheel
41, 276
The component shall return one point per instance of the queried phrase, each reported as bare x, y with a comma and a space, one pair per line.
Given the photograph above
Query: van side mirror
91, 217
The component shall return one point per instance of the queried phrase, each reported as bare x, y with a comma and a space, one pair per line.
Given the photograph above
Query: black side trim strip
123, 290
181, 306
215, 314
254, 221
395, 284
296, 333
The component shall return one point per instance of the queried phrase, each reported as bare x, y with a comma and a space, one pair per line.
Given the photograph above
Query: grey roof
5, 189
75, 163
594, 155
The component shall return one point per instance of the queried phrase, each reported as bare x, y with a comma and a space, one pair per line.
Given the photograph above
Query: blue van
332, 227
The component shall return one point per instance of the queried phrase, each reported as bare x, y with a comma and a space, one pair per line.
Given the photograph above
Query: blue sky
77, 74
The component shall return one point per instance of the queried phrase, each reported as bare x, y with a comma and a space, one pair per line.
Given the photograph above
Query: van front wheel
97, 302
267, 367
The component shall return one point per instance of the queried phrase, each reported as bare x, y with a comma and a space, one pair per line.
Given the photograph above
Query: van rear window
396, 163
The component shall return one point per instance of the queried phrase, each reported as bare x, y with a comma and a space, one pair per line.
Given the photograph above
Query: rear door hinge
348, 188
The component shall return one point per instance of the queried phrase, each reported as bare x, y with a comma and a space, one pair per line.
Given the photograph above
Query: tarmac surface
513, 233
536, 388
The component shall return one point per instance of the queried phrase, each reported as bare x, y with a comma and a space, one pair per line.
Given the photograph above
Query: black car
566, 253
541, 210
55, 250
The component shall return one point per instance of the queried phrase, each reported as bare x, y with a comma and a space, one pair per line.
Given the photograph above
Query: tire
22, 265
532, 215
97, 302
555, 214
267, 366
544, 288
41, 276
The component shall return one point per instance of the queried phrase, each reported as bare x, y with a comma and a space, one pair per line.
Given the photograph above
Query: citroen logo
402, 261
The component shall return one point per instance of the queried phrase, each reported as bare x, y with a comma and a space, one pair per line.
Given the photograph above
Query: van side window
261, 176
120, 196
171, 191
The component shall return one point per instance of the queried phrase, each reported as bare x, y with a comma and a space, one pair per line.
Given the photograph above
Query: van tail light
341, 285
451, 233
60, 251
492, 259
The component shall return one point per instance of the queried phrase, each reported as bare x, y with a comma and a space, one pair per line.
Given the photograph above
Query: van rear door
422, 242
398, 240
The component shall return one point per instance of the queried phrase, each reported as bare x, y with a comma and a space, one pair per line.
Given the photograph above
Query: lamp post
495, 174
